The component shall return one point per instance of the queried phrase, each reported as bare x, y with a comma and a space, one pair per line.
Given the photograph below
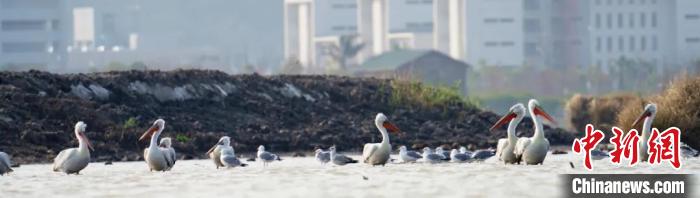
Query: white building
31, 34
494, 32
687, 37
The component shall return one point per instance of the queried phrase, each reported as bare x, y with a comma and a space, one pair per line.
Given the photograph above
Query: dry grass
599, 111
678, 105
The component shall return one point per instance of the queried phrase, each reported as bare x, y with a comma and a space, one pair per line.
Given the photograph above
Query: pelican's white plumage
506, 146
5, 163
533, 150
157, 158
648, 116
378, 153
73, 160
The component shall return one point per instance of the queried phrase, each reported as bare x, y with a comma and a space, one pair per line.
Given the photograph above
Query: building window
632, 40
490, 20
23, 47
653, 20
692, 40
642, 19
533, 4
23, 25
532, 25
597, 20
507, 43
350, 5
609, 44
531, 49
507, 20
609, 20
692, 16
598, 44
621, 44
491, 44
619, 20
631, 20
643, 43
654, 43
597, 2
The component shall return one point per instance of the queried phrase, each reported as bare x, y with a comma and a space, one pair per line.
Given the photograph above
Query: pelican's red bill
641, 117
505, 119
538, 111
149, 132
82, 135
391, 127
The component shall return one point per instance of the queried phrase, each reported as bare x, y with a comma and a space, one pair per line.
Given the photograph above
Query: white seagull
648, 116
73, 160
408, 156
157, 158
322, 156
456, 156
339, 159
430, 157
266, 157
5, 163
464, 150
228, 157
378, 153
444, 154
167, 144
215, 151
533, 150
506, 146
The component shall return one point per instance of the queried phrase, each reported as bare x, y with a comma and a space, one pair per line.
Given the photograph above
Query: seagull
534, 149
5, 163
464, 150
504, 150
266, 157
228, 157
73, 160
339, 159
408, 156
456, 156
156, 157
483, 154
378, 153
430, 157
598, 154
444, 154
167, 144
215, 151
322, 156
687, 151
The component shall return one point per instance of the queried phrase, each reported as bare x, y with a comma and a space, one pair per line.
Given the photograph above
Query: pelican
73, 160
408, 156
430, 157
378, 153
266, 157
167, 144
156, 157
215, 151
456, 156
5, 163
533, 150
322, 156
648, 116
228, 157
339, 159
444, 154
504, 150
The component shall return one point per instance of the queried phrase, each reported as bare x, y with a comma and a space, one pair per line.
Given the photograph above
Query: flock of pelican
161, 156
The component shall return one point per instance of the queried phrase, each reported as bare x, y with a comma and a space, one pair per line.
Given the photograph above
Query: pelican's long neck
385, 135
539, 132
154, 139
511, 129
82, 144
332, 154
646, 128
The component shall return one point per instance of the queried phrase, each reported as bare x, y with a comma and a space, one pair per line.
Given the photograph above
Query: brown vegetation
600, 111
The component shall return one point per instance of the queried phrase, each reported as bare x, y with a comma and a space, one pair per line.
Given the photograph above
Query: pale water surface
304, 177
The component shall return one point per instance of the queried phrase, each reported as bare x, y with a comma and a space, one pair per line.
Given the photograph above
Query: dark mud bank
286, 113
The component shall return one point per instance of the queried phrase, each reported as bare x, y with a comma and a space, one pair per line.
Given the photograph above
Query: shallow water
304, 177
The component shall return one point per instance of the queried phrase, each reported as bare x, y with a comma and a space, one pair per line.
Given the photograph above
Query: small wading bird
322, 156
408, 156
378, 153
506, 146
533, 150
648, 116
156, 157
339, 159
266, 157
5, 163
215, 152
167, 144
228, 157
73, 160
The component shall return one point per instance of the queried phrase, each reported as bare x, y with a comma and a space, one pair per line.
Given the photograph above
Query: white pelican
228, 157
445, 154
167, 144
266, 157
215, 151
322, 156
430, 157
408, 156
533, 150
648, 116
5, 163
73, 160
156, 157
456, 156
339, 159
378, 153
504, 150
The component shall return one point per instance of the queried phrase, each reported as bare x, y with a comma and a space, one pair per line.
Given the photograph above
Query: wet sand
304, 177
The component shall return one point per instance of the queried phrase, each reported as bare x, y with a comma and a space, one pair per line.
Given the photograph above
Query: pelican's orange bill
149, 132
644, 115
505, 119
539, 111
391, 127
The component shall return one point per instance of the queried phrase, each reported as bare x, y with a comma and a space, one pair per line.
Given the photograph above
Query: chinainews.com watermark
628, 185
